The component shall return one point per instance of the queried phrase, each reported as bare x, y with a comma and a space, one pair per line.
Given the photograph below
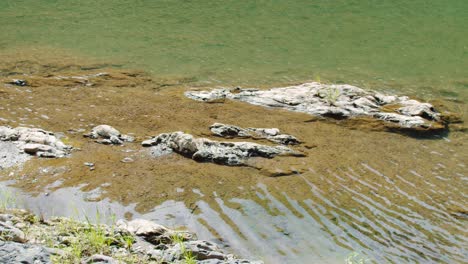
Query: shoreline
32, 239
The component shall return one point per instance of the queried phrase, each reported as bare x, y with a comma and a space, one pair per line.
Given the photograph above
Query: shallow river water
361, 192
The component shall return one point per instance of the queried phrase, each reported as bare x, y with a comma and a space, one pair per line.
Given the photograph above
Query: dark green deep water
415, 47
419, 44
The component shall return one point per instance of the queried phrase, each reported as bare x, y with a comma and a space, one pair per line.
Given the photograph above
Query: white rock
339, 101
226, 153
108, 135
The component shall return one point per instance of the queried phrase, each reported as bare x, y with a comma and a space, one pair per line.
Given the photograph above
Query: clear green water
417, 47
416, 43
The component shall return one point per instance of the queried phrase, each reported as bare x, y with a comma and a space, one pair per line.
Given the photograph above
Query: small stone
19, 82
127, 160
89, 164
101, 259
108, 135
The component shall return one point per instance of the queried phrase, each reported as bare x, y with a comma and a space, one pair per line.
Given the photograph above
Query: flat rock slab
225, 153
337, 101
16, 253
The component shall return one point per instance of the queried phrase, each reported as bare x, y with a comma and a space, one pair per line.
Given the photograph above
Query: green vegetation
188, 256
77, 240
7, 199
86, 239
330, 95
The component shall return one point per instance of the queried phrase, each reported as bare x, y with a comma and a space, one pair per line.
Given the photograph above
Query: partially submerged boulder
107, 135
35, 141
226, 153
338, 101
271, 134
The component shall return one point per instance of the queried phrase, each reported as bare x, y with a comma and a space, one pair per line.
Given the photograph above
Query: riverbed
361, 190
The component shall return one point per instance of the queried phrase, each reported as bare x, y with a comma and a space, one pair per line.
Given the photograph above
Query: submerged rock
34, 141
338, 101
271, 134
226, 153
108, 135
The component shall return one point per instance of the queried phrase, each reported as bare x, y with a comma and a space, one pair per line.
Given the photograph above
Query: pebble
127, 160
19, 82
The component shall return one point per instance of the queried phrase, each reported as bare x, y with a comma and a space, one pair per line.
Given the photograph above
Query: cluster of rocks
338, 101
105, 134
271, 134
169, 245
225, 153
141, 241
34, 141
